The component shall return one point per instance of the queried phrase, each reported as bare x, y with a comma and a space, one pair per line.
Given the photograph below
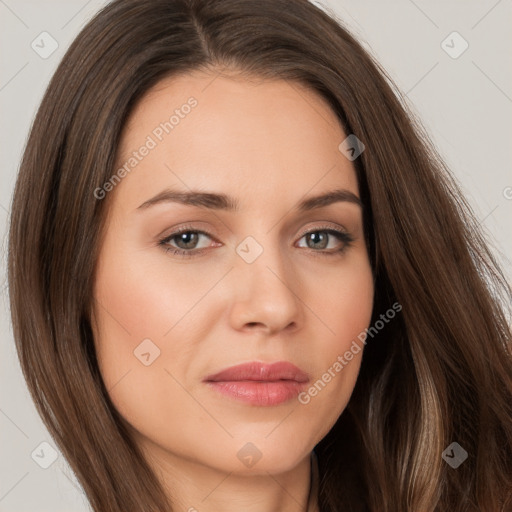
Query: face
255, 272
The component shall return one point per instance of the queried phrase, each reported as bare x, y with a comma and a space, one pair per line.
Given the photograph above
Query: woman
232, 207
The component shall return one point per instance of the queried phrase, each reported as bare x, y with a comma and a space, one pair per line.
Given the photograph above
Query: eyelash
343, 236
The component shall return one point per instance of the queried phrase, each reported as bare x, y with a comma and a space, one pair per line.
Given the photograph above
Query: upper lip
257, 371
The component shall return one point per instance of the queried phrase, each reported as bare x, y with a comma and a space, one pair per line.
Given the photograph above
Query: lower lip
259, 393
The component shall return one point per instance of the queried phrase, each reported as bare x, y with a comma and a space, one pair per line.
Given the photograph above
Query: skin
269, 144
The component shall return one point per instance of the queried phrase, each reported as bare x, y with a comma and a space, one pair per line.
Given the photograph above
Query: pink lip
259, 383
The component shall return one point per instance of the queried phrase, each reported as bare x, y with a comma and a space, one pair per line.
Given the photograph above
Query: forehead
218, 131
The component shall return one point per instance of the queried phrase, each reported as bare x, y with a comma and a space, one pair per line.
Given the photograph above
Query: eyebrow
219, 201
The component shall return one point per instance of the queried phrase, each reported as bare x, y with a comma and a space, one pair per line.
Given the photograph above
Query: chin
260, 456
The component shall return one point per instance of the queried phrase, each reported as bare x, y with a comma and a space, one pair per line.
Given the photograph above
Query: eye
319, 240
186, 241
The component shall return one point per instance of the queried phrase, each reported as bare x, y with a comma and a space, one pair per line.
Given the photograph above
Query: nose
266, 294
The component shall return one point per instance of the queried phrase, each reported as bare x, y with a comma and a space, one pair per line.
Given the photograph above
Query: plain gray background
465, 102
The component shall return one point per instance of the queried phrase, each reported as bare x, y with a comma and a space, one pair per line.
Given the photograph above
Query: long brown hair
441, 372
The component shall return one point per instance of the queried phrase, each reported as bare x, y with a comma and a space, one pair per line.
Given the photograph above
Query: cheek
345, 310
343, 304
134, 310
132, 294
136, 298
145, 337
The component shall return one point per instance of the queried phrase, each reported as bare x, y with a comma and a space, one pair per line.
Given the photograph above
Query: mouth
259, 383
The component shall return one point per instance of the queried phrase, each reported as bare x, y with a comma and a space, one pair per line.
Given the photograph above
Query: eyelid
190, 227
334, 227
182, 228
